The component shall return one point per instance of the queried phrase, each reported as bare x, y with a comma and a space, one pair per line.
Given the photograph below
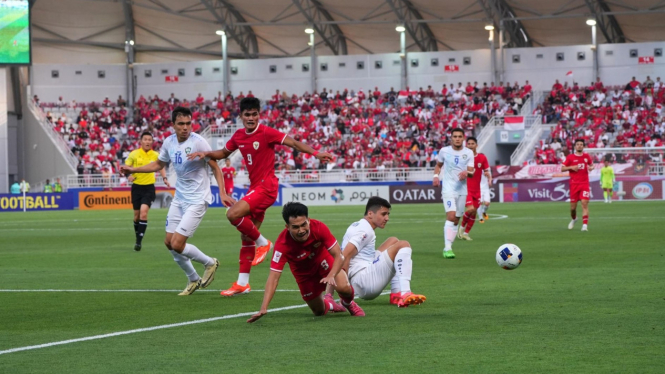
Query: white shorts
455, 204
184, 218
369, 282
485, 195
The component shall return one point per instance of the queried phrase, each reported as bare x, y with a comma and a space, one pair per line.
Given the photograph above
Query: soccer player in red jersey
256, 143
315, 259
228, 172
578, 164
473, 189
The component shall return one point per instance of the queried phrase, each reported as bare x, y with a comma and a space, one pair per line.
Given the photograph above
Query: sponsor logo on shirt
317, 244
301, 255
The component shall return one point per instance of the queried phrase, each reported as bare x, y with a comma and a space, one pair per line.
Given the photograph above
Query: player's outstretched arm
336, 252
226, 199
150, 168
437, 171
213, 155
302, 147
271, 286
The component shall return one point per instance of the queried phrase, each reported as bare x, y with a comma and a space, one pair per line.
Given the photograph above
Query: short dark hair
375, 203
250, 103
457, 129
145, 133
294, 209
580, 140
180, 111
472, 138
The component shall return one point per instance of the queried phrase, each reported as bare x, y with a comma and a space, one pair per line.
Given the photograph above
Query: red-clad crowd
617, 116
364, 130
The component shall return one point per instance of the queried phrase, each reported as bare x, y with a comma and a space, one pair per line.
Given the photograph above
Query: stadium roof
166, 30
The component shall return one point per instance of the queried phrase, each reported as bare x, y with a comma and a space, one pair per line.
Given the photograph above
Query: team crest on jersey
188, 150
256, 145
463, 157
317, 244
480, 165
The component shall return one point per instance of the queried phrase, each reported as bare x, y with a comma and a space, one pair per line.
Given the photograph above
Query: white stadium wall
538, 65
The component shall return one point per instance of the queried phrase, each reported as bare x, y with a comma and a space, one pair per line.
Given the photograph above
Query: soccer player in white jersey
192, 197
485, 197
457, 163
370, 270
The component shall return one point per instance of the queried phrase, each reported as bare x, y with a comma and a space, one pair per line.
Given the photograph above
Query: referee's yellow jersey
139, 158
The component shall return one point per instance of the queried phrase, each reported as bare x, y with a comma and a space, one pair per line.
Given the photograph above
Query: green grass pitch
580, 302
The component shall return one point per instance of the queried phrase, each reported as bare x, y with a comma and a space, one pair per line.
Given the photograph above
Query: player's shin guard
247, 252
195, 254
186, 266
470, 222
347, 298
140, 231
585, 220
404, 268
247, 228
465, 219
449, 233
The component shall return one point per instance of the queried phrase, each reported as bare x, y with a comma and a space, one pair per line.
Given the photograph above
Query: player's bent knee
406, 248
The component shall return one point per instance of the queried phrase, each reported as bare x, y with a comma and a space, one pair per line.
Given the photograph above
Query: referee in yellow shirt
143, 187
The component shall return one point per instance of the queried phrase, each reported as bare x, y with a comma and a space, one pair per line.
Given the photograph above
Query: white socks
449, 233
261, 241
403, 268
243, 279
185, 265
195, 254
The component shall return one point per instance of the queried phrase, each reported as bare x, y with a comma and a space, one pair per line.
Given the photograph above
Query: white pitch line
51, 290
146, 329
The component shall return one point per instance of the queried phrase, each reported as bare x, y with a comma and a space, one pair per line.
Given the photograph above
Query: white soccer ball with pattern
509, 256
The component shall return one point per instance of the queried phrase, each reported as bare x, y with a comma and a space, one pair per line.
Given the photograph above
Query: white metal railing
225, 131
532, 134
656, 168
104, 180
59, 142
532, 102
286, 177
487, 133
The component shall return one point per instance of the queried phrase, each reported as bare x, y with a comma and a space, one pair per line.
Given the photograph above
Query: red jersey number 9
249, 159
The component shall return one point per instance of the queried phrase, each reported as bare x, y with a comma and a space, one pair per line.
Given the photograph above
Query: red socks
347, 299
469, 222
247, 228
247, 252
585, 219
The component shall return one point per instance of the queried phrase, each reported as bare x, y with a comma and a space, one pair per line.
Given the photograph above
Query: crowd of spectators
373, 130
629, 115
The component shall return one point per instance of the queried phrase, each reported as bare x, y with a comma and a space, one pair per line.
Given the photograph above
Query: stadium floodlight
309, 30
400, 28
591, 22
220, 32
489, 27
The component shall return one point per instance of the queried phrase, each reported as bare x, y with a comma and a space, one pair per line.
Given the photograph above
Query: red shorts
229, 188
259, 200
473, 200
579, 192
310, 285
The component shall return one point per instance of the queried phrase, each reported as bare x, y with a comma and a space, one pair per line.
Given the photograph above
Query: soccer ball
509, 256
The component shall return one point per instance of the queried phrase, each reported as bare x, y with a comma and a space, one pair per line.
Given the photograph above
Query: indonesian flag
659, 108
513, 123
403, 94
569, 74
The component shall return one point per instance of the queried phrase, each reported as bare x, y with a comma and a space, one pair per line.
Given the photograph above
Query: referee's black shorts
142, 194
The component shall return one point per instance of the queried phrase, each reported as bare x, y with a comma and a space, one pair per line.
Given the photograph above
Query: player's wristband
435, 176
315, 153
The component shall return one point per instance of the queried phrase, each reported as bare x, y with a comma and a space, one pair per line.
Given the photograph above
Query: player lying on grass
315, 259
371, 270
